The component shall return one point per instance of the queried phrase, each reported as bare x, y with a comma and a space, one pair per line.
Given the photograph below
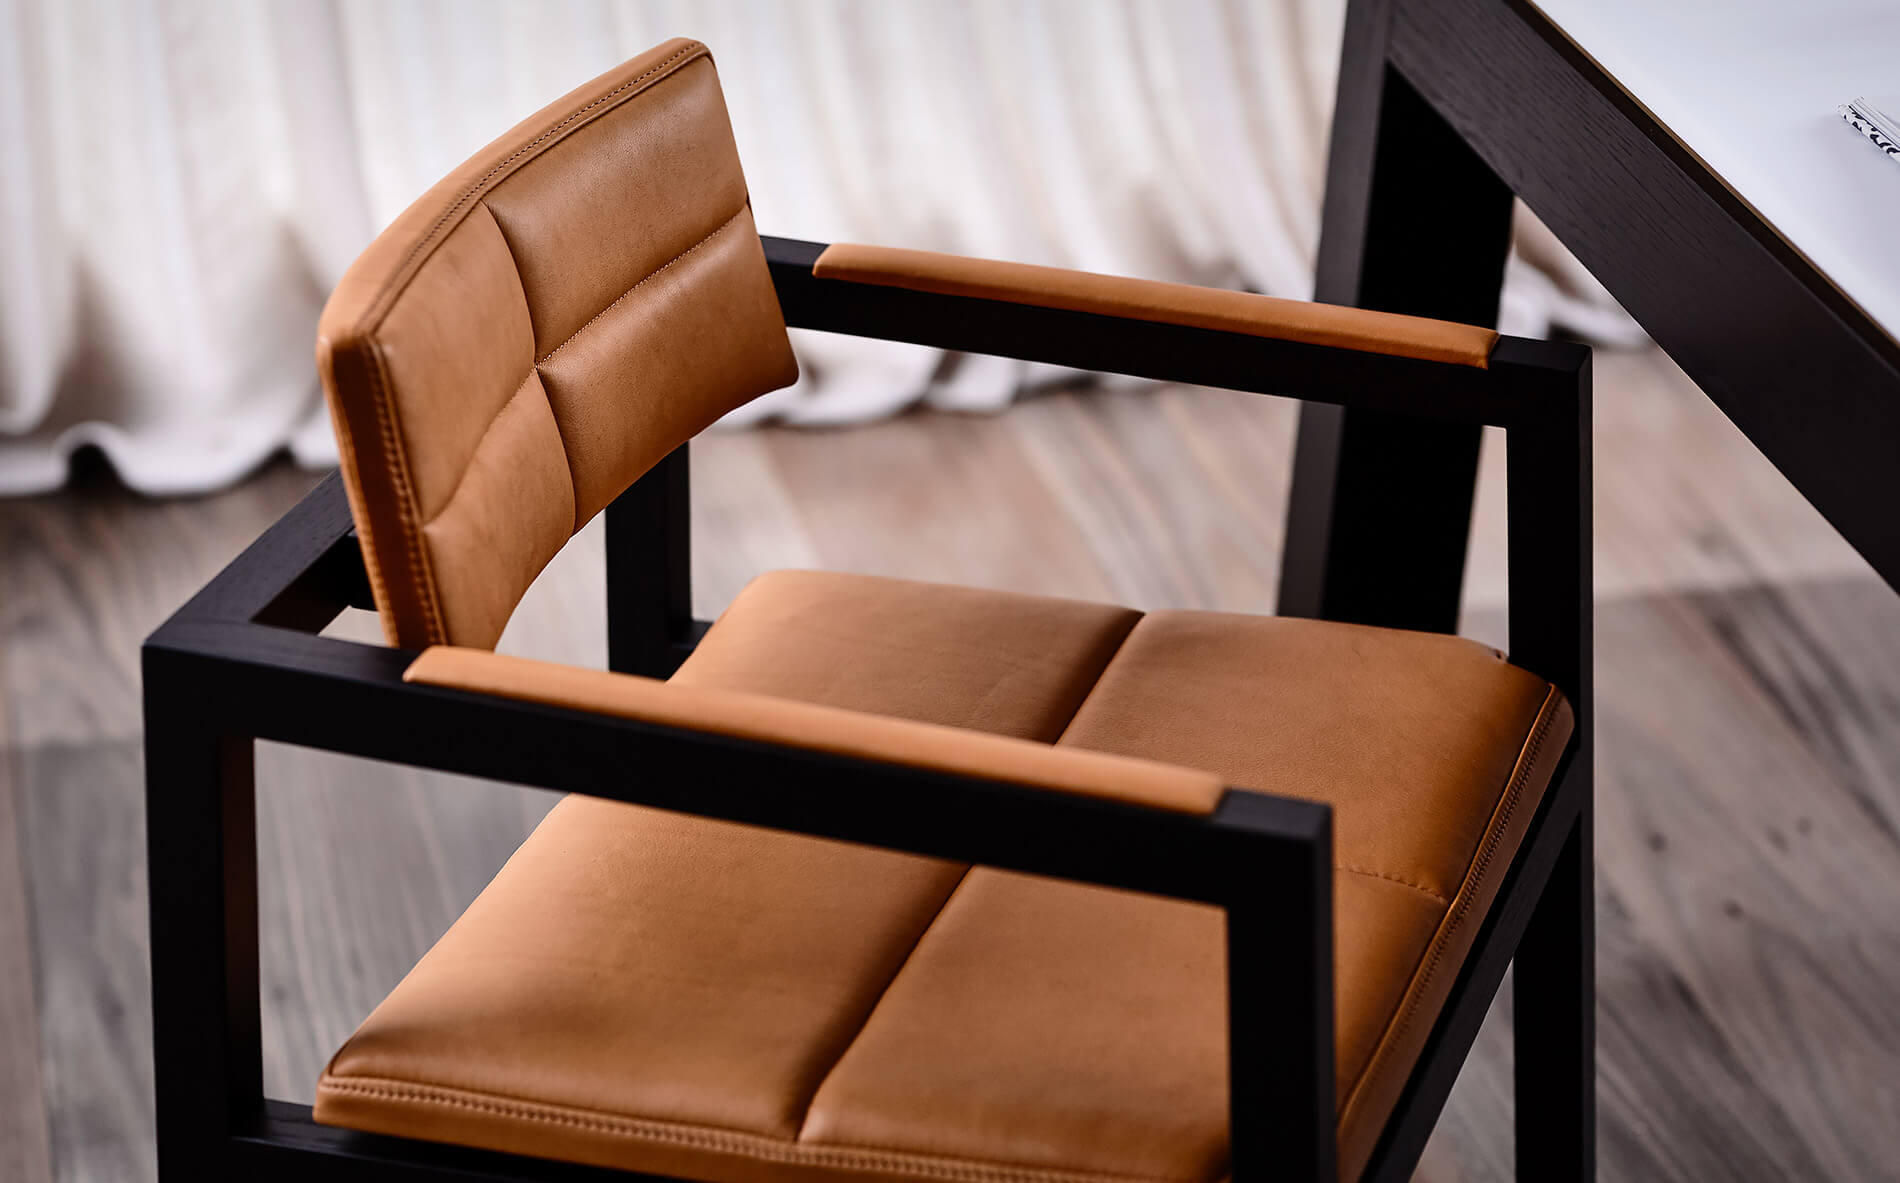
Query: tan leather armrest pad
1165, 303
816, 728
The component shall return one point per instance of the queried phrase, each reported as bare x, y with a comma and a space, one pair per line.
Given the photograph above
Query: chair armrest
812, 727
1219, 309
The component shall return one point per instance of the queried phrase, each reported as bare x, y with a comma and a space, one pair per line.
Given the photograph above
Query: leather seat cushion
681, 996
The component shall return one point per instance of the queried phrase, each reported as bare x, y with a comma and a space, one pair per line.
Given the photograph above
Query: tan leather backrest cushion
536, 332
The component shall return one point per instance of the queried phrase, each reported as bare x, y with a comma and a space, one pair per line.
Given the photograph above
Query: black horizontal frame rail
300, 573
340, 696
1504, 394
285, 1145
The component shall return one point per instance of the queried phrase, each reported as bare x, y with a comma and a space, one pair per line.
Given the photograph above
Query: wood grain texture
1747, 869
1749, 740
1805, 373
24, 1155
83, 830
86, 574
1176, 491
955, 488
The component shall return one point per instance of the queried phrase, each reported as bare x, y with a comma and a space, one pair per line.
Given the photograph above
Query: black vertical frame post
1554, 975
201, 843
1554, 1018
1380, 510
1282, 1104
649, 570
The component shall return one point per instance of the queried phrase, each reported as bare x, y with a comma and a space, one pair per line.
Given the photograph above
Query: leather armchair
867, 878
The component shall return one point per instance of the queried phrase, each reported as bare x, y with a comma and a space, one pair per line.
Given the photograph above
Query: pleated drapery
183, 181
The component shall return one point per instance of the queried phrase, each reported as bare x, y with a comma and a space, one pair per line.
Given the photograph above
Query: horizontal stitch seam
530, 146
714, 233
1418, 887
715, 1139
1000, 1171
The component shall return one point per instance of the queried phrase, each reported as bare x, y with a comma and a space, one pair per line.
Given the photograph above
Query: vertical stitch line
1461, 902
397, 459
534, 371
359, 513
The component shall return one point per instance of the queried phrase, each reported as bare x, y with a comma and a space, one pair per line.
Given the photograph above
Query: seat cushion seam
1460, 908
716, 1138
804, 1117
1120, 644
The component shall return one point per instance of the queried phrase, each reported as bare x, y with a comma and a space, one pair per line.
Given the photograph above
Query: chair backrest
536, 332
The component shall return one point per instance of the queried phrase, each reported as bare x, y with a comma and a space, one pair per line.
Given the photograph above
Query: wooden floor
1749, 731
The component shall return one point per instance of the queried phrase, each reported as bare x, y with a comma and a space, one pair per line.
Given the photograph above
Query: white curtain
182, 182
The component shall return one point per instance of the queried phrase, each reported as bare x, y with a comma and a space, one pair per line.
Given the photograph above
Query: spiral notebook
1879, 120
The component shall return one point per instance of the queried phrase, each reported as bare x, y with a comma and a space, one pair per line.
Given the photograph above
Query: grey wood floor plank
83, 830
1749, 856
361, 867
1749, 945
745, 520
1179, 493
1749, 942
24, 1154
935, 497
84, 576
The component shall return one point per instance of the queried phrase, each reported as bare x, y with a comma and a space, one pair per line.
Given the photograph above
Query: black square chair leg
1554, 1022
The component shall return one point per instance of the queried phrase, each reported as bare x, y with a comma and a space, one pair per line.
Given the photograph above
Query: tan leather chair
883, 879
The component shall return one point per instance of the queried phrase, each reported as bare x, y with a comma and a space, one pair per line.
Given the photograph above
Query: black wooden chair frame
243, 661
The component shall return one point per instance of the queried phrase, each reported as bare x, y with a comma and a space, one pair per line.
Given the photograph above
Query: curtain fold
183, 181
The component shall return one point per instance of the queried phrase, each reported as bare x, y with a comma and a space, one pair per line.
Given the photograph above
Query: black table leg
1415, 222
